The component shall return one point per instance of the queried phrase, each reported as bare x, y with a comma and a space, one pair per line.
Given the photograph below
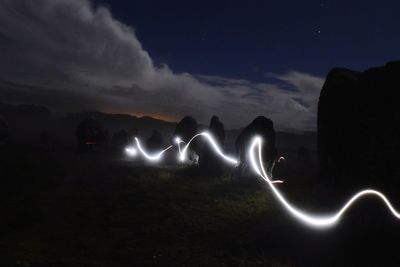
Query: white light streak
311, 220
131, 151
316, 221
184, 151
155, 157
213, 144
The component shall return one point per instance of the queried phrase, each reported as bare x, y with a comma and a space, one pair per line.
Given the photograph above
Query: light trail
311, 220
131, 151
213, 144
316, 221
155, 157
182, 151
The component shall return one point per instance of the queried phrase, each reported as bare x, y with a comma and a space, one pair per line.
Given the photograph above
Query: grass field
96, 210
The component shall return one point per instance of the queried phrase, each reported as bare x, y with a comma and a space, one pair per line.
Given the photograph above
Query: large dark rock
359, 131
217, 129
185, 130
264, 128
209, 161
3, 131
131, 134
120, 139
154, 142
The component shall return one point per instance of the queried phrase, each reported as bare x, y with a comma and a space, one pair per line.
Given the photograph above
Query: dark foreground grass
93, 210
63, 209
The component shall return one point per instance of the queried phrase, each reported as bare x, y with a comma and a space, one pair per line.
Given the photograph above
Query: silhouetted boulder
209, 161
120, 139
91, 136
131, 134
217, 129
303, 154
185, 130
155, 141
264, 128
43, 137
3, 131
359, 130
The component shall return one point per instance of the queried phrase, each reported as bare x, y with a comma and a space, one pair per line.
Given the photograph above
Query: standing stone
264, 128
209, 161
154, 142
359, 131
185, 130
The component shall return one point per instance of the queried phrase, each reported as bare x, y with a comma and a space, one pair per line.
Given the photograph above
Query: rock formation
209, 162
120, 139
185, 130
264, 128
359, 130
154, 142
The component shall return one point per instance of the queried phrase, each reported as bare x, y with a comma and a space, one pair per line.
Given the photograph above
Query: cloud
69, 55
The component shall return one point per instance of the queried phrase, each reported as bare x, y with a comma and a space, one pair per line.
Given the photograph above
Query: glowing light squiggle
213, 144
315, 221
156, 157
131, 151
182, 151
312, 220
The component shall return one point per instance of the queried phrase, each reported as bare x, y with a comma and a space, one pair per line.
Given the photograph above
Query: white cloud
67, 53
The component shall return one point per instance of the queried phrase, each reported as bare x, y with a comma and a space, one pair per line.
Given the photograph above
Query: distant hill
116, 122
26, 122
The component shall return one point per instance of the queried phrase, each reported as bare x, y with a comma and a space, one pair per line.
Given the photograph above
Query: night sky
169, 59
246, 39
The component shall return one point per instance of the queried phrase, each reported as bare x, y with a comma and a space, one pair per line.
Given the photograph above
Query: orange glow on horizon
154, 115
163, 117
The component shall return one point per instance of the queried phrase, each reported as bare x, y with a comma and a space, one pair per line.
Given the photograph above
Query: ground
66, 209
